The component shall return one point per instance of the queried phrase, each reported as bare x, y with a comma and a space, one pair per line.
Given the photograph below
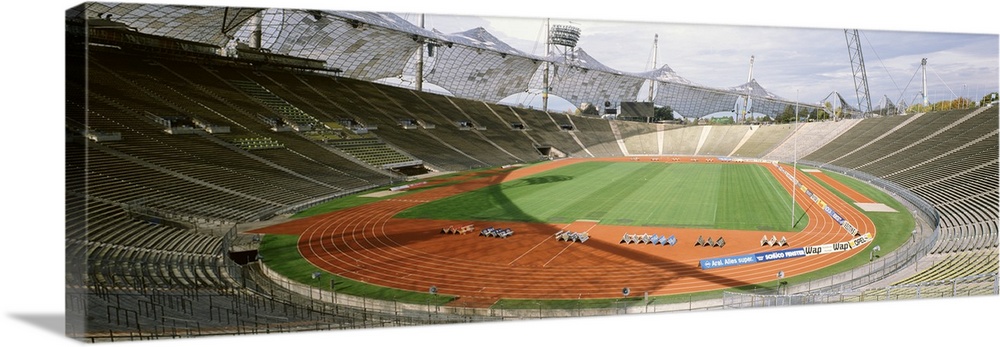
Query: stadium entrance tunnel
544, 150
243, 257
549, 152
414, 170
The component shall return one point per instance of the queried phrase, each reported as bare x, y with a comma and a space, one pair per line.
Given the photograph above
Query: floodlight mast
545, 75
565, 36
419, 81
923, 68
255, 22
656, 39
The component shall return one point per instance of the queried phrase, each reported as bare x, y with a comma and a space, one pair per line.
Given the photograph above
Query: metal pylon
858, 68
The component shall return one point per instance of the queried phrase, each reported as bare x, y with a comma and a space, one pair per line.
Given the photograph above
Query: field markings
557, 254
539, 244
640, 195
782, 191
486, 288
528, 251
567, 246
715, 213
654, 206
680, 195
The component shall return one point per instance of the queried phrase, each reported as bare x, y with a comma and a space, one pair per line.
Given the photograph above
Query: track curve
366, 243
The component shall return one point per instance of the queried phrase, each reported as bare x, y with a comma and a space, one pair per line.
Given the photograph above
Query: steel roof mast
656, 40
858, 68
746, 101
545, 76
923, 69
419, 81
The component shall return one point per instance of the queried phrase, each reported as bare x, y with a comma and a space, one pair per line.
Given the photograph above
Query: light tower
563, 38
923, 71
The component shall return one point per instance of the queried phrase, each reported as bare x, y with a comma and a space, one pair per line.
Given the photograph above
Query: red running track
366, 243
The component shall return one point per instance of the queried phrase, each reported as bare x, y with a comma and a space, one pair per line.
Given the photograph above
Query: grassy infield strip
622, 193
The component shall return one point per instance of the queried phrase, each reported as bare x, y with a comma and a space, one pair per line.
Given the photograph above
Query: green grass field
716, 196
751, 186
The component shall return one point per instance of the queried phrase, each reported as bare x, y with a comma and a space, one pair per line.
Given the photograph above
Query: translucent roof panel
480, 74
362, 51
585, 80
693, 101
773, 107
755, 90
580, 58
480, 38
471, 64
203, 24
386, 20
665, 74
578, 85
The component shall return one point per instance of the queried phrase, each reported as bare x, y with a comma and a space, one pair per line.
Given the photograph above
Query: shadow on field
534, 180
654, 271
658, 265
804, 213
664, 269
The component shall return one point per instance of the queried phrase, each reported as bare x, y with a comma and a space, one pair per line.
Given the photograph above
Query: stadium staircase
764, 139
809, 137
618, 137
743, 141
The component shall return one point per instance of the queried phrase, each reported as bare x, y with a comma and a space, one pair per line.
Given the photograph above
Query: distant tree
991, 97
944, 105
663, 113
961, 103
721, 120
820, 114
786, 116
954, 104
